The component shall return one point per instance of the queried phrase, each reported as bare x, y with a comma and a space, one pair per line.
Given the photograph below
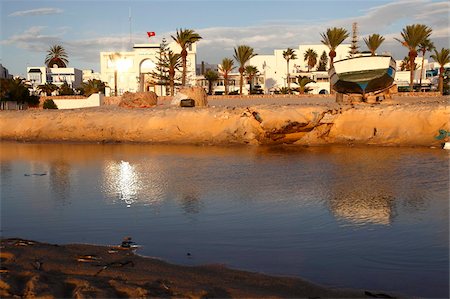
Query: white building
132, 70
58, 76
274, 68
90, 75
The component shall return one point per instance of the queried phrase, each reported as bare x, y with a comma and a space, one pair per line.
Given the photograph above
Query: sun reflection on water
131, 183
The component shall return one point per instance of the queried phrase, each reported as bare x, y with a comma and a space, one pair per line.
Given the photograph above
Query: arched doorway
146, 80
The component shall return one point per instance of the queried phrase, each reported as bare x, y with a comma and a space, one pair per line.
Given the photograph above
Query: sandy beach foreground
403, 121
31, 269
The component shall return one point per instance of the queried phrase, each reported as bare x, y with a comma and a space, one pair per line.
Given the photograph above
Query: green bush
49, 104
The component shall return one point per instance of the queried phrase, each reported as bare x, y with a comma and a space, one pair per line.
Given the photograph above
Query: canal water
354, 217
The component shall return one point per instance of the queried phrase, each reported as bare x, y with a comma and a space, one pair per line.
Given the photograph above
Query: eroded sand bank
412, 124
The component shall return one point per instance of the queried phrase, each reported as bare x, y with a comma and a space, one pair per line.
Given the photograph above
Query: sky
87, 27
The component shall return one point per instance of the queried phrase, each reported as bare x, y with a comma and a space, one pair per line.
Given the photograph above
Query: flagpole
129, 20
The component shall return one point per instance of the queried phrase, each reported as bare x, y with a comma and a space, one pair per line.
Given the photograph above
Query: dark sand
32, 269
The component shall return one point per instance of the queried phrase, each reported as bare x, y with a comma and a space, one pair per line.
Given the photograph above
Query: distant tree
323, 62
174, 62
251, 71
354, 47
242, 54
161, 72
92, 86
412, 37
211, 76
49, 104
17, 90
66, 90
310, 57
288, 55
114, 58
424, 46
405, 65
225, 68
56, 55
332, 39
302, 82
442, 58
373, 42
185, 38
47, 88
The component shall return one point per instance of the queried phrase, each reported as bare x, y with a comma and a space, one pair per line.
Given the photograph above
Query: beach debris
114, 264
127, 243
88, 258
112, 251
442, 135
37, 264
23, 243
35, 174
254, 114
378, 295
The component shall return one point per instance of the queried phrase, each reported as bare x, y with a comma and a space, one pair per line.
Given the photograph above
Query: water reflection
122, 181
60, 179
132, 182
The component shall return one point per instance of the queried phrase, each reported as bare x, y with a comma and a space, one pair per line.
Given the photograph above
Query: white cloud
36, 12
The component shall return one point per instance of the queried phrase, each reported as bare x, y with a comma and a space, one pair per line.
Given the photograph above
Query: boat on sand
362, 74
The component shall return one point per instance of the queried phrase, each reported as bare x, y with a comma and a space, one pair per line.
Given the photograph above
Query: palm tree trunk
412, 59
115, 83
287, 77
225, 78
241, 82
184, 61
441, 80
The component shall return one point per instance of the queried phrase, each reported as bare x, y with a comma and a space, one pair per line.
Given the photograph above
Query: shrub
49, 104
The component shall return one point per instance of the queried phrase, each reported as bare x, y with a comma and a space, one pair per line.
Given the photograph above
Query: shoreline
415, 122
110, 271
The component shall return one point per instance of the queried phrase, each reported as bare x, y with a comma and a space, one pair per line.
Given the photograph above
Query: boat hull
363, 74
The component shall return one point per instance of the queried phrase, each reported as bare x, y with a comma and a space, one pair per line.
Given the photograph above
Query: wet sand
31, 269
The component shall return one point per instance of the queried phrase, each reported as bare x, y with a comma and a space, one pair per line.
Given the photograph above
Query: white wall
95, 100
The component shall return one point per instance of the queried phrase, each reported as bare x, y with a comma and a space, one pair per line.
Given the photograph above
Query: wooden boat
362, 74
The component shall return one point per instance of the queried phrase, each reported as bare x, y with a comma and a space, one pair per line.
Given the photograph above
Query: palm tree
56, 55
185, 38
251, 71
243, 54
442, 57
310, 57
47, 88
424, 46
413, 36
405, 65
92, 86
288, 55
211, 76
374, 42
174, 63
225, 68
302, 82
332, 39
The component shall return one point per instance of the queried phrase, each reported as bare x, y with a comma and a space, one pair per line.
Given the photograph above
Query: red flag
151, 33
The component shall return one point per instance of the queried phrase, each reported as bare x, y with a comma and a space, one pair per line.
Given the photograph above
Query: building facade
273, 68
58, 76
4, 73
131, 71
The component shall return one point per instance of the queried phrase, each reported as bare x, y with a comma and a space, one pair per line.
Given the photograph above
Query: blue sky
84, 28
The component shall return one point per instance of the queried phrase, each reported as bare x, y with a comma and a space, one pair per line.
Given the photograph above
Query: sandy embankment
386, 124
31, 269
